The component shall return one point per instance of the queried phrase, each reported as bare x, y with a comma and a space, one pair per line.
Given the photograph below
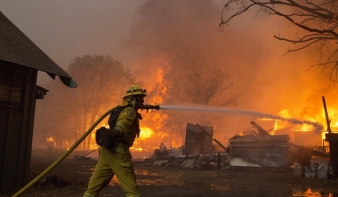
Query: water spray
318, 126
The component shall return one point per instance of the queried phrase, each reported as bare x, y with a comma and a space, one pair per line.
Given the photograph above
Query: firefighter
117, 160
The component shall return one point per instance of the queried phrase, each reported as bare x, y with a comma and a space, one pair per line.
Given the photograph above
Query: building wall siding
16, 124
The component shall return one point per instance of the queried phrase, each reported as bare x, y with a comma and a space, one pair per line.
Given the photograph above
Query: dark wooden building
20, 61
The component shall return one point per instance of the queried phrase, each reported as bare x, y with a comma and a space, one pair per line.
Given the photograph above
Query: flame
304, 128
50, 139
312, 116
162, 89
145, 133
284, 113
133, 148
323, 137
281, 124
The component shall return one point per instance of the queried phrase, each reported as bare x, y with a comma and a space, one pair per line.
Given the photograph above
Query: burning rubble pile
252, 149
198, 151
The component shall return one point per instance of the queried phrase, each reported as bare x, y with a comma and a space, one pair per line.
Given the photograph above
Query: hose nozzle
148, 107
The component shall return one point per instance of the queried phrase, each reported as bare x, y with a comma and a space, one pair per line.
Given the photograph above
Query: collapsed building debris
306, 162
254, 149
197, 140
259, 151
198, 152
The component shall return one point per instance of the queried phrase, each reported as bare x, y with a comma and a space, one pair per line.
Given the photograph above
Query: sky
65, 29
138, 33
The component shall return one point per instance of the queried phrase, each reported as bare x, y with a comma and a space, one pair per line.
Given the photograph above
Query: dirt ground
71, 177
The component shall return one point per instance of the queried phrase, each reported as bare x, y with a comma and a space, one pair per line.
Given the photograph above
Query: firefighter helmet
134, 91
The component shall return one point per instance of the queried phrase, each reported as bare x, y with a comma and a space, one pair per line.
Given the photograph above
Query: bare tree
54, 119
316, 18
102, 81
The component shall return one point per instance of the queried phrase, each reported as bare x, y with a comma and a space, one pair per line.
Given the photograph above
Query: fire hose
58, 161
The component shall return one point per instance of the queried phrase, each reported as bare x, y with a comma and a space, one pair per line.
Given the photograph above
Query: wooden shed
20, 61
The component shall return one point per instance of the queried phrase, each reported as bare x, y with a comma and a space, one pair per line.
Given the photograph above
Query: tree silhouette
317, 20
102, 82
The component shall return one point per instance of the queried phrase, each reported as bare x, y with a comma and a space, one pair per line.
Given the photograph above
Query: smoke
184, 35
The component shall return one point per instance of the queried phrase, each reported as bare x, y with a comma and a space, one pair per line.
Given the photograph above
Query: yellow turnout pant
113, 163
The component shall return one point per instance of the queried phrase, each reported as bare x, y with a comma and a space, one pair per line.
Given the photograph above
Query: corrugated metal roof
17, 48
